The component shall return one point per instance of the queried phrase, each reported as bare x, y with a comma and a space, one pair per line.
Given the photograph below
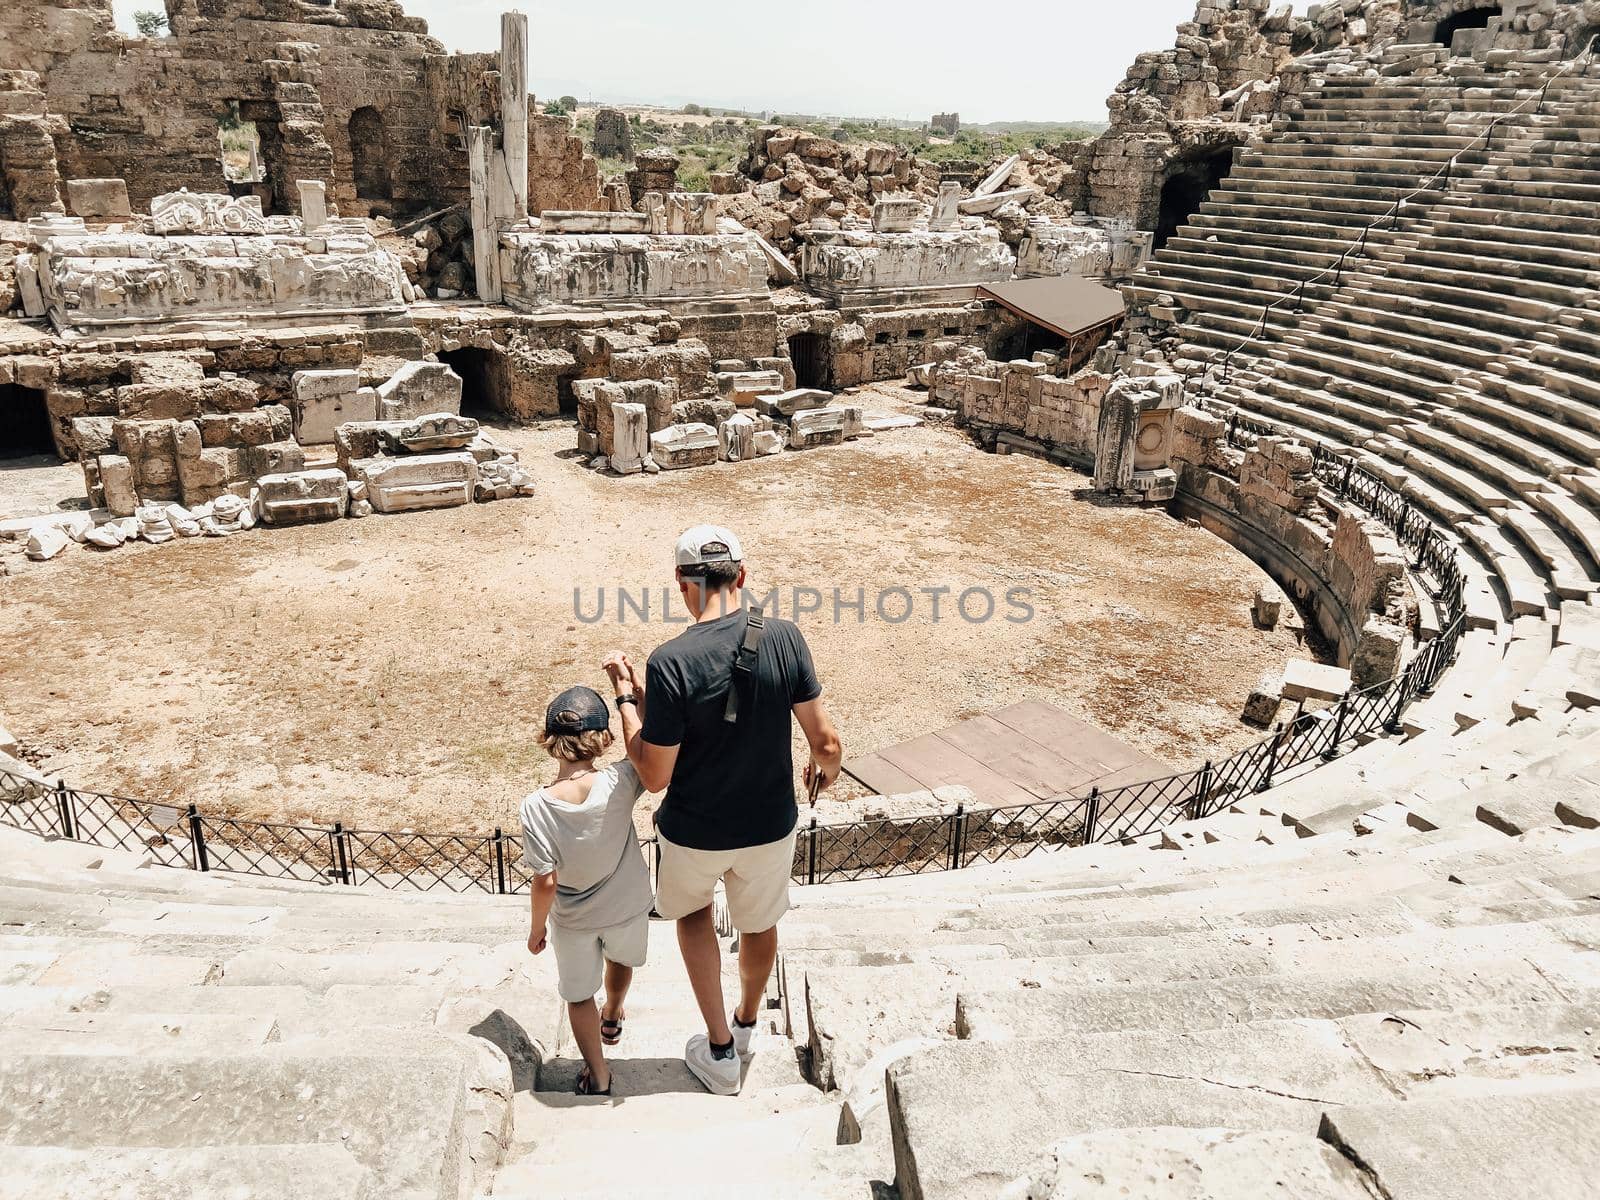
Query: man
725, 761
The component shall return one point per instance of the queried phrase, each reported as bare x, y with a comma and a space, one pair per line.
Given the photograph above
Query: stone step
1013, 1013
192, 1172
1167, 1163
132, 1035
1264, 1076
406, 1111
680, 1141
1502, 1143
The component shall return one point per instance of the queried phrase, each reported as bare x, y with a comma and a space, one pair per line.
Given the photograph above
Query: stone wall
1346, 570
1215, 89
1024, 399
352, 92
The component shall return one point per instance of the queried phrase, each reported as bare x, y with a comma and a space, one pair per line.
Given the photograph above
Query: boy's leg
702, 958
585, 1020
618, 979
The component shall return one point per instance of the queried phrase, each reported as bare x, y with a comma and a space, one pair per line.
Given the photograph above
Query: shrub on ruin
150, 23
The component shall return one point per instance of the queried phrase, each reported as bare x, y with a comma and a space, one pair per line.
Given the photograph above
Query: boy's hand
620, 669
813, 770
537, 941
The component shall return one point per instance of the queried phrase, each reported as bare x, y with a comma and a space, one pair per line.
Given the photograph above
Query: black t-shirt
733, 783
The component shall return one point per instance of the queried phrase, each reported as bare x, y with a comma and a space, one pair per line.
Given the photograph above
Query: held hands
623, 675
537, 940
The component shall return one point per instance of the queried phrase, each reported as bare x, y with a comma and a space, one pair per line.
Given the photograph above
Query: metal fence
177, 836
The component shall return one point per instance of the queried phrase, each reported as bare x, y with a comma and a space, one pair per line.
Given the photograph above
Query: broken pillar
946, 214
485, 233
313, 204
736, 439
419, 389
514, 107
630, 437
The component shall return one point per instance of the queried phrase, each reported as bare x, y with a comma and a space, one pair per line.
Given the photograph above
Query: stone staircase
174, 1035
1231, 1007
1455, 357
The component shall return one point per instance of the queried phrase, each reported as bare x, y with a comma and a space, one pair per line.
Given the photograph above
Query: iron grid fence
183, 836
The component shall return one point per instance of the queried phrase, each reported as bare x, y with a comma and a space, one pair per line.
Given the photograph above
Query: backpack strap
744, 661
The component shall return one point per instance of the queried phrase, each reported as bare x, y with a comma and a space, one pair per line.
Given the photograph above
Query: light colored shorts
581, 955
756, 879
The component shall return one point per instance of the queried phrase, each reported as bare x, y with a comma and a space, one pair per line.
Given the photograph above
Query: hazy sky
1037, 60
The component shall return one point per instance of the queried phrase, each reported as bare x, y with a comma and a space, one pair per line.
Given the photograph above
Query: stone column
1114, 441
313, 204
514, 105
485, 229
630, 438
946, 215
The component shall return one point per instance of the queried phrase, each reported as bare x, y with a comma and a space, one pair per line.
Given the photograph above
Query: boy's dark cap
577, 710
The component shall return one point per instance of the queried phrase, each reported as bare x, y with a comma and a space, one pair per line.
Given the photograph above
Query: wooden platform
1014, 755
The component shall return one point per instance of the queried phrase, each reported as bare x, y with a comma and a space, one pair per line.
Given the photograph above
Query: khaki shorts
756, 879
581, 955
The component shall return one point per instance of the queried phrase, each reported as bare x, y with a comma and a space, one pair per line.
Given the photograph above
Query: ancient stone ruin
1324, 288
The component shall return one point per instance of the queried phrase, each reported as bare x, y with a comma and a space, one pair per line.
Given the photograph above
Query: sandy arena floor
392, 673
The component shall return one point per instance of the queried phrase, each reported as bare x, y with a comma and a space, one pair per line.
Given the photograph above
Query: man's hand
537, 941
824, 783
620, 670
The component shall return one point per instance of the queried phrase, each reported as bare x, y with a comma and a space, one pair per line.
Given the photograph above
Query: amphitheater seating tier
1455, 354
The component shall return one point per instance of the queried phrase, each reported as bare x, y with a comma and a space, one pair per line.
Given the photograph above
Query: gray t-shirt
601, 879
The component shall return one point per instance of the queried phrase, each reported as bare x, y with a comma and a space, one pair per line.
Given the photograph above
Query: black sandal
586, 1085
615, 1026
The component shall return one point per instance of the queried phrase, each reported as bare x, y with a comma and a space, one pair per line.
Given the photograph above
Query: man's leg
697, 941
757, 954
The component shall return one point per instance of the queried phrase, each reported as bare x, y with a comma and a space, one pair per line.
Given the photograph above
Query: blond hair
577, 747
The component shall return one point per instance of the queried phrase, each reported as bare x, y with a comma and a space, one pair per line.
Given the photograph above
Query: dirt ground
393, 672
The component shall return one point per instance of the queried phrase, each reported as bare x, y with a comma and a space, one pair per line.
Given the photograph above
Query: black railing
178, 836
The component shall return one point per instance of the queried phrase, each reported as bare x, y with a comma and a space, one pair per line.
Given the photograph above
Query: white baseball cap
707, 544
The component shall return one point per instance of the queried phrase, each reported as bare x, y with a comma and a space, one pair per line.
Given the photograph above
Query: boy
590, 881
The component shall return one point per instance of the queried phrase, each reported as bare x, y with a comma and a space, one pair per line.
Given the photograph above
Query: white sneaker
742, 1036
719, 1075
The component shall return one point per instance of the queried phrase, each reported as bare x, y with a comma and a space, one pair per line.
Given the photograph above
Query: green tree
555, 108
150, 23
570, 103
693, 110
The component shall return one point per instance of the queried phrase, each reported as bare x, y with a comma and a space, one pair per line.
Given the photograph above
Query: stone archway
485, 381
1190, 179
1467, 18
25, 427
369, 155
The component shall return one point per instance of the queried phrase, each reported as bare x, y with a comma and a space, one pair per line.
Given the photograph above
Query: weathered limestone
554, 270
313, 204
106, 283
630, 438
593, 222
302, 496
514, 108
895, 214
746, 388
786, 404
680, 446
736, 439
102, 199
326, 399
1306, 680
854, 268
946, 210
813, 427
421, 481
419, 389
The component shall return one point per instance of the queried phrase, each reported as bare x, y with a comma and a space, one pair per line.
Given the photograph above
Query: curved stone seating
167, 1033
1229, 974
1456, 354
